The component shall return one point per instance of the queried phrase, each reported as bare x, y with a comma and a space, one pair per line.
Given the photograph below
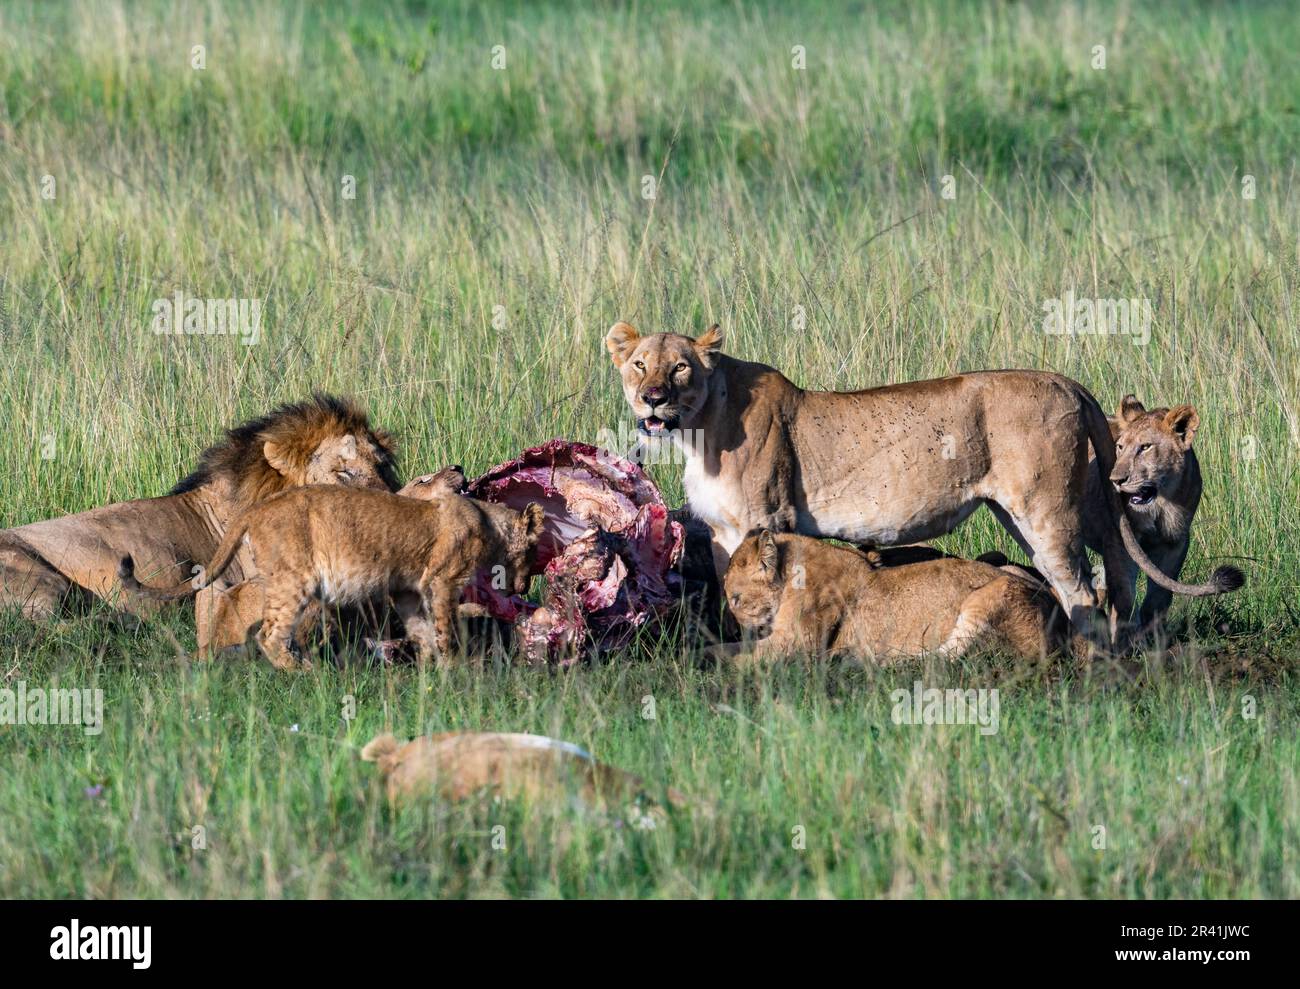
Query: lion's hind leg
31, 584
1005, 612
285, 603
1056, 549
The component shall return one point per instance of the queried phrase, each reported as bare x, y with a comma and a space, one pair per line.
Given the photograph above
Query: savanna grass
499, 227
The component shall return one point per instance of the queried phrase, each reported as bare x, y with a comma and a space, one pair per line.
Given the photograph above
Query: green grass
779, 191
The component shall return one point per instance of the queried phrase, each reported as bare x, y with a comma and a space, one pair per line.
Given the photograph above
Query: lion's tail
225, 553
1223, 580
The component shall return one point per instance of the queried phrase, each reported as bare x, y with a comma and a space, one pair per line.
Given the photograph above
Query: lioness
897, 464
352, 546
45, 566
805, 596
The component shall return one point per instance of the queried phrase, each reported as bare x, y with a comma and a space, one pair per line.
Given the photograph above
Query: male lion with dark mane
887, 466
47, 567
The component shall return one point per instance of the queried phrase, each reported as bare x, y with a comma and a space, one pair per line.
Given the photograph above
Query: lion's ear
277, 455
531, 520
1183, 422
384, 440
768, 554
620, 341
708, 345
1130, 408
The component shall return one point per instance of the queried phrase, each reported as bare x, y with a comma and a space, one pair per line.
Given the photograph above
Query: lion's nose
1119, 480
654, 396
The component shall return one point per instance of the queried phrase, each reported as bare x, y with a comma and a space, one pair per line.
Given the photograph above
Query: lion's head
520, 532
440, 484
1151, 450
754, 581
323, 440
665, 375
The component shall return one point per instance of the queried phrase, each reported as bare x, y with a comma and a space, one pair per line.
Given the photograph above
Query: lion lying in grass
458, 764
354, 546
807, 597
46, 567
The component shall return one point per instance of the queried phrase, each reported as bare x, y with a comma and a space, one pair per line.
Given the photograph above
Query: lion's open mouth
1142, 495
657, 425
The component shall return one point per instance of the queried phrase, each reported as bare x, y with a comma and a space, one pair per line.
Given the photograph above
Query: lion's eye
638, 365
679, 369
1144, 448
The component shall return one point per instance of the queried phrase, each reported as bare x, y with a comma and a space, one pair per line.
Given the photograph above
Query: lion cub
458, 764
349, 546
234, 611
807, 596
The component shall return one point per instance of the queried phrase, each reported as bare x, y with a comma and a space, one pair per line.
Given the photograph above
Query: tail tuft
993, 558
1226, 579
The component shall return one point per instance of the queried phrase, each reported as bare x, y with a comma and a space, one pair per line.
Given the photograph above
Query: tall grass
498, 229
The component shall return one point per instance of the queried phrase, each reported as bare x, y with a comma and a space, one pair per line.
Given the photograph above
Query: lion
239, 608
353, 546
48, 567
1157, 474
456, 765
890, 465
807, 597
1159, 478
440, 484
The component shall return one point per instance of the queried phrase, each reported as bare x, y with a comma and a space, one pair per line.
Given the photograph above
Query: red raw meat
607, 550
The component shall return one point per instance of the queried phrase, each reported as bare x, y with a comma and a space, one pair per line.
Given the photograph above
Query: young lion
349, 546
458, 764
807, 596
1159, 480
239, 608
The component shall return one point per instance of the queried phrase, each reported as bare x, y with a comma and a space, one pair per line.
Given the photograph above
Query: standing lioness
352, 546
884, 466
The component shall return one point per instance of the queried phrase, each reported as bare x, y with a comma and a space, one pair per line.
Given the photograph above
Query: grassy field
901, 206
